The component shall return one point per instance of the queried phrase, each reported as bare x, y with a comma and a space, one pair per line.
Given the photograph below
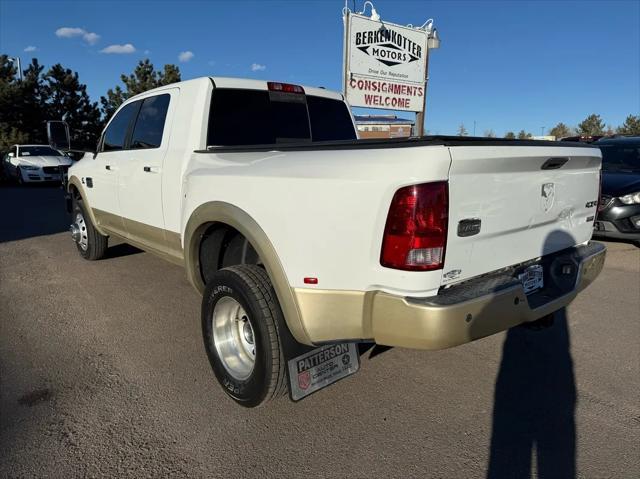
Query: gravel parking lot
103, 373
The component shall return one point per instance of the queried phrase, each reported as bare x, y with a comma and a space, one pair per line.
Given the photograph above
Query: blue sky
507, 65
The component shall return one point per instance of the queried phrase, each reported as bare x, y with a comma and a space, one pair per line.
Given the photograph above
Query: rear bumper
485, 306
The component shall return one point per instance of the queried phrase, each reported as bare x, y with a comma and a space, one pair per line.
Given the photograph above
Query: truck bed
392, 143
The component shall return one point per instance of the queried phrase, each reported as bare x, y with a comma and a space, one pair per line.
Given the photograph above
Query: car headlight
29, 167
631, 198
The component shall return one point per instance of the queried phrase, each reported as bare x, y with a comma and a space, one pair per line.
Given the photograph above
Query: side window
116, 134
150, 123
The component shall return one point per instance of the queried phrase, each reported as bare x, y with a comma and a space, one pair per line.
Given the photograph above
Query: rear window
255, 117
621, 157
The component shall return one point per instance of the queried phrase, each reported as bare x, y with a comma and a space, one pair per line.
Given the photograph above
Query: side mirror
12, 154
58, 135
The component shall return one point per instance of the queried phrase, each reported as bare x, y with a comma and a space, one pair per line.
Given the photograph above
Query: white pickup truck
305, 241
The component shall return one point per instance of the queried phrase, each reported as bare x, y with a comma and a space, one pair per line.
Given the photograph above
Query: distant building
383, 126
545, 137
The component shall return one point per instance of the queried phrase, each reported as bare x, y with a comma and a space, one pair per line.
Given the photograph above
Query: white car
304, 240
35, 163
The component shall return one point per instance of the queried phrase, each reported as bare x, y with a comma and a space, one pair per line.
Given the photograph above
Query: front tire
240, 320
90, 243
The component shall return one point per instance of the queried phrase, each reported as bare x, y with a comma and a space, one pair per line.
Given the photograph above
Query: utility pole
16, 60
474, 128
542, 130
433, 42
420, 116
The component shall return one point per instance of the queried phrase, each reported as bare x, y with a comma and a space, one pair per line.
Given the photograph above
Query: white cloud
185, 56
30, 48
146, 52
126, 48
91, 38
68, 32
256, 67
71, 32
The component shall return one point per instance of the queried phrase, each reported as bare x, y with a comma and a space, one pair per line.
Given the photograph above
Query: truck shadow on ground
534, 405
120, 250
39, 210
535, 397
33, 210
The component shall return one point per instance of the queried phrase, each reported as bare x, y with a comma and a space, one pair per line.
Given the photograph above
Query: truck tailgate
528, 201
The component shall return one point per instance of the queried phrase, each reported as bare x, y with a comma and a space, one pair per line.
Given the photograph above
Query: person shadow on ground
534, 406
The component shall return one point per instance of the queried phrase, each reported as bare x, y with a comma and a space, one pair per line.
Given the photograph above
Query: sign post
385, 64
420, 116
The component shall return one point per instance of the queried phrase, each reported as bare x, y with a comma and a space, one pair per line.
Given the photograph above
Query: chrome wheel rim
233, 337
83, 239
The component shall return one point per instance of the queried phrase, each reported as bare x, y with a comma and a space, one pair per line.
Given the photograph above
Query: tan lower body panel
158, 241
392, 320
331, 314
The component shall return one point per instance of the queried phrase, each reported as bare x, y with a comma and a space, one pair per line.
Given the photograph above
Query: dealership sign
384, 64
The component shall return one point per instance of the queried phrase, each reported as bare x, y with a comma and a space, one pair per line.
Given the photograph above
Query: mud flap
309, 368
321, 367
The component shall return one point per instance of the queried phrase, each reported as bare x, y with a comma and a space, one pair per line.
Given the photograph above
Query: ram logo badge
469, 227
548, 195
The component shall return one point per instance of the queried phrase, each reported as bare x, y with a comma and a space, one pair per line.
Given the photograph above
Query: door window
150, 123
116, 134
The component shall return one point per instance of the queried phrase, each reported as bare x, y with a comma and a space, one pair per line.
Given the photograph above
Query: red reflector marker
311, 281
285, 87
415, 234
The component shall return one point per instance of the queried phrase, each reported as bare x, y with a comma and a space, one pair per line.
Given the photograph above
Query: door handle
151, 169
110, 168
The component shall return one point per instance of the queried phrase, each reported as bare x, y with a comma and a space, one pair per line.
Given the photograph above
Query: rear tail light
415, 235
284, 87
601, 204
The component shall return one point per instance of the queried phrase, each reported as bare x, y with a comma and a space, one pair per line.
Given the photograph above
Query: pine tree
67, 100
523, 135
144, 78
33, 110
591, 126
462, 131
510, 135
560, 131
631, 126
10, 105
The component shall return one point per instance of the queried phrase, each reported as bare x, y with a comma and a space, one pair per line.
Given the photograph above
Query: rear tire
240, 320
91, 245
